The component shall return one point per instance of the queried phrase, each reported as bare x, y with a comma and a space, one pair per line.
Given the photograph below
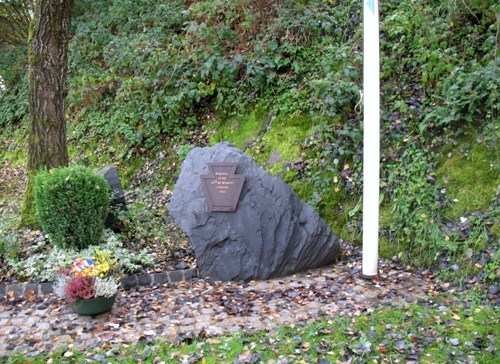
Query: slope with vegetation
149, 80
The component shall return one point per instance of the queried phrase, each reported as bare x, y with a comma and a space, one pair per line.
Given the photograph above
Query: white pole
371, 137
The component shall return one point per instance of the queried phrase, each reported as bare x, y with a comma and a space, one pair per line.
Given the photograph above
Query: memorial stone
267, 232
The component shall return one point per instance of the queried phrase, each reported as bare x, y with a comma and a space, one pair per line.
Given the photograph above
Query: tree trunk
48, 55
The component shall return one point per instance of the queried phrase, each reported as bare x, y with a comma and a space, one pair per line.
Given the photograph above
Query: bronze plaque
222, 187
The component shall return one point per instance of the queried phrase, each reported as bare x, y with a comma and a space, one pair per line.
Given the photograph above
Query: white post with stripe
371, 137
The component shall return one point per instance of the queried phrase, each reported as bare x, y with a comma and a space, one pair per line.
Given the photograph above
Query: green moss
386, 215
342, 223
17, 157
303, 189
387, 249
495, 229
240, 130
337, 210
284, 140
290, 175
28, 216
131, 168
471, 181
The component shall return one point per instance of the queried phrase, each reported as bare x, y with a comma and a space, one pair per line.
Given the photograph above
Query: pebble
493, 290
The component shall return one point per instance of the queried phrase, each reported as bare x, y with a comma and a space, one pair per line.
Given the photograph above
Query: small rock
89, 327
35, 353
214, 331
100, 357
367, 347
43, 306
400, 345
181, 266
43, 326
110, 353
454, 342
493, 290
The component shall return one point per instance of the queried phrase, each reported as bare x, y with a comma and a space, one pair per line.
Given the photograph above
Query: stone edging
146, 279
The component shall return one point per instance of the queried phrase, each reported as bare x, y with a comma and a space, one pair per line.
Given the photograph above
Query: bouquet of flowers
89, 278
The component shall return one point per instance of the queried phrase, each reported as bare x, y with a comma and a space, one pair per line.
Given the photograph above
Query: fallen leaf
382, 350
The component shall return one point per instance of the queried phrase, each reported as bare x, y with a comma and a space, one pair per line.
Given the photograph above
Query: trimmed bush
71, 205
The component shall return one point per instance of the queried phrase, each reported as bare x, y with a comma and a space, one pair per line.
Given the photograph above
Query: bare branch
15, 18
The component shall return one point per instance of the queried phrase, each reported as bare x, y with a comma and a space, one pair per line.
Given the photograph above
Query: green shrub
71, 206
14, 92
468, 98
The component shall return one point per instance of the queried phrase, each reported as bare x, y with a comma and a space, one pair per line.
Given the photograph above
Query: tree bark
48, 58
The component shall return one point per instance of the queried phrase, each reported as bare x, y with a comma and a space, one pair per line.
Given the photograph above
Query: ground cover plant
40, 261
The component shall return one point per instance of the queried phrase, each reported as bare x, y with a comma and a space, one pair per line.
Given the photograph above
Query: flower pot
93, 306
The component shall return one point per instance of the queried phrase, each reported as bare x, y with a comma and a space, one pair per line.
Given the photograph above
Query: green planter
93, 306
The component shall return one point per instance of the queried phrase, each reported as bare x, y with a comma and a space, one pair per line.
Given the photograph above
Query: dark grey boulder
272, 233
117, 203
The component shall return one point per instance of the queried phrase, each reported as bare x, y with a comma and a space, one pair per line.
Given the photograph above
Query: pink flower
80, 287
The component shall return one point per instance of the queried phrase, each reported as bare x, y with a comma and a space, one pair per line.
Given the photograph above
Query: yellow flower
100, 256
101, 269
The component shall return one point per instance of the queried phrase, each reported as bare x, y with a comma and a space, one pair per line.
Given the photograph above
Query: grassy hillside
282, 80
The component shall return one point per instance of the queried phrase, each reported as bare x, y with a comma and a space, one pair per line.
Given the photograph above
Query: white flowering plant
98, 276
42, 257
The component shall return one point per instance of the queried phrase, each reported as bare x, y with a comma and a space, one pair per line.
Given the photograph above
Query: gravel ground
42, 324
